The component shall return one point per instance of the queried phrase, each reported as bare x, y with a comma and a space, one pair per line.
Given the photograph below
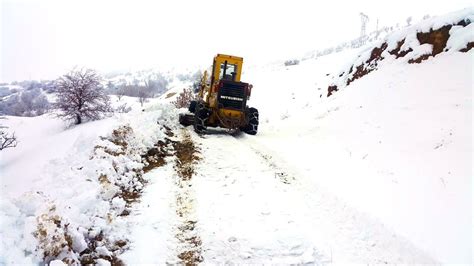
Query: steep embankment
396, 143
438, 35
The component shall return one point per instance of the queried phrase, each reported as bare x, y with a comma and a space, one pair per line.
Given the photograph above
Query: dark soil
332, 89
369, 65
468, 47
397, 53
438, 38
189, 240
186, 155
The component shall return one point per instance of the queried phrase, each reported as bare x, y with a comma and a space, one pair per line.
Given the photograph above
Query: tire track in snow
280, 173
189, 242
245, 212
349, 235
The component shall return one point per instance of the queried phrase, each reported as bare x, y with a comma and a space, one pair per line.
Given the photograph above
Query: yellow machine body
222, 99
226, 67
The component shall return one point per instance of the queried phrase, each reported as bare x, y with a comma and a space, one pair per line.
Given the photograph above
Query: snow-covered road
245, 204
379, 172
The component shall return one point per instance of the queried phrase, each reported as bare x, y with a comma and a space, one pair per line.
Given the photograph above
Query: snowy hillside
396, 144
376, 170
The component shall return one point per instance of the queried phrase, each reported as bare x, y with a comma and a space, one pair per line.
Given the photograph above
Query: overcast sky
44, 39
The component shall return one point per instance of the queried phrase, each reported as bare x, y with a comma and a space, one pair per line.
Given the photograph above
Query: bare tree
123, 108
81, 97
143, 96
120, 93
7, 140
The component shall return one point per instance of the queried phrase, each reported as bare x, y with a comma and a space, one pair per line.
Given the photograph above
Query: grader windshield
228, 71
226, 67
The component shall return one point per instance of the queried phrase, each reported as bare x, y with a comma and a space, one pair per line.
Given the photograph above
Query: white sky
44, 39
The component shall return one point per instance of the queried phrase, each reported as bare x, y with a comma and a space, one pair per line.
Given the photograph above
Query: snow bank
72, 204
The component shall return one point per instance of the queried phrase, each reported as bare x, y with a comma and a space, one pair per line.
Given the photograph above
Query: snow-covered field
380, 172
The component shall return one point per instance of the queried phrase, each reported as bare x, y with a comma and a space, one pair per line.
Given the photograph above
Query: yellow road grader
222, 102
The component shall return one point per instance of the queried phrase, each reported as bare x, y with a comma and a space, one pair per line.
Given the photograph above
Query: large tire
201, 117
252, 121
186, 119
192, 106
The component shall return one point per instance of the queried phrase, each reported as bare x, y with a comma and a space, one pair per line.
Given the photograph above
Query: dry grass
184, 98
169, 95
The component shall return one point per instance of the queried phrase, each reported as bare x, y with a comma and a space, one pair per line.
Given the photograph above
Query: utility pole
364, 19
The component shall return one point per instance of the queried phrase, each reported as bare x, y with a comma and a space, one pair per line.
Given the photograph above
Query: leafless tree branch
81, 96
6, 140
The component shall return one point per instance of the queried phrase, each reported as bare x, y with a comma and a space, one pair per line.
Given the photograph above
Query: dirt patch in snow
169, 95
438, 38
186, 155
57, 238
129, 192
189, 242
369, 65
468, 47
155, 157
89, 257
397, 52
331, 89
52, 235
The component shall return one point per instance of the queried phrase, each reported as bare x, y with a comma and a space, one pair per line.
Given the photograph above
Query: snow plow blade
186, 119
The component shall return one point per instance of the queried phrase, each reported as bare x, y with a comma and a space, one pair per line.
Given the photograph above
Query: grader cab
222, 99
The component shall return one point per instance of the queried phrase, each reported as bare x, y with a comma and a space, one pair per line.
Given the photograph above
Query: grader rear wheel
252, 118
